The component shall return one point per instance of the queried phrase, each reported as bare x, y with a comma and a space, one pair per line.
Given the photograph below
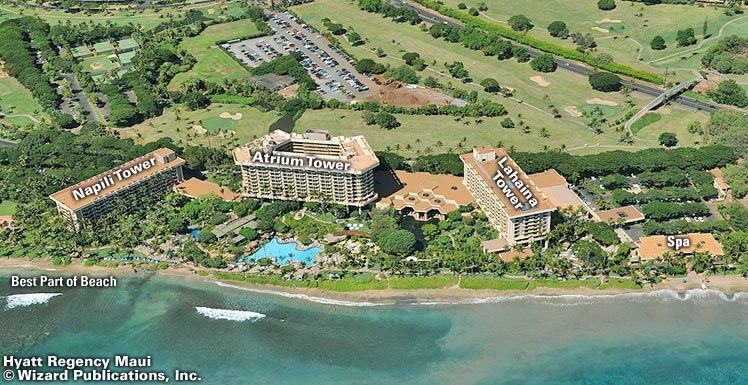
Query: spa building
310, 167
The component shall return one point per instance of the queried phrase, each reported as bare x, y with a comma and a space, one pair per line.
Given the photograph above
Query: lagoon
285, 253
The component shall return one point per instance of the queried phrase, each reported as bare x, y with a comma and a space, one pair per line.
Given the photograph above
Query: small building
232, 228
626, 215
420, 194
652, 247
194, 187
723, 189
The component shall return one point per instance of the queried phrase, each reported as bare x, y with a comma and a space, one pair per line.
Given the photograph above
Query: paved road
5, 143
434, 17
657, 101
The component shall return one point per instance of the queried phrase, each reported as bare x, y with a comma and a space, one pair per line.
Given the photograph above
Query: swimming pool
281, 251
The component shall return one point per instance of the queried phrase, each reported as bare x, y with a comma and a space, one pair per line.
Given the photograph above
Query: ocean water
234, 336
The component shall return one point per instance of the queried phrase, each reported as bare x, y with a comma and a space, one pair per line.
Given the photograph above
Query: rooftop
628, 213
485, 160
421, 191
656, 245
555, 187
234, 226
65, 197
194, 187
353, 150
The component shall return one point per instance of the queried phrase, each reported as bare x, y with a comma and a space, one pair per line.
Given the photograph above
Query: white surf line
321, 300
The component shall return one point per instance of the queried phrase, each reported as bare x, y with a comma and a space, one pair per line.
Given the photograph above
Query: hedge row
542, 45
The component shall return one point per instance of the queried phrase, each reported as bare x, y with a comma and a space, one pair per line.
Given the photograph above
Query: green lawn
213, 63
89, 64
637, 22
647, 119
675, 120
253, 124
493, 283
432, 282
16, 99
565, 89
418, 132
358, 282
7, 208
148, 19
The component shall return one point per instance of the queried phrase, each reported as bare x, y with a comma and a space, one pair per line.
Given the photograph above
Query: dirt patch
199, 129
211, 11
665, 111
96, 66
711, 82
402, 95
607, 21
601, 101
540, 81
573, 111
598, 29
290, 91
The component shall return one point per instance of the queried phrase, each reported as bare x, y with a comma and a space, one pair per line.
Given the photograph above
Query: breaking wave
665, 295
231, 315
23, 300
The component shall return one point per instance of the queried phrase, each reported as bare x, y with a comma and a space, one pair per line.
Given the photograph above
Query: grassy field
647, 119
16, 99
148, 19
637, 22
252, 124
675, 120
450, 134
432, 282
106, 64
565, 89
493, 283
568, 284
7, 208
213, 63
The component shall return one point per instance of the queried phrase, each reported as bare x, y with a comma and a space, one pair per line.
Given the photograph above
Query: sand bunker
200, 130
573, 111
227, 115
540, 81
601, 101
211, 11
96, 66
598, 29
222, 17
607, 21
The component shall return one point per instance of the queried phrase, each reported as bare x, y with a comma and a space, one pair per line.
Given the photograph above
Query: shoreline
728, 285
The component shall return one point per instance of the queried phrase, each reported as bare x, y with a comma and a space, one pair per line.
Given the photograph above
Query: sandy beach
728, 284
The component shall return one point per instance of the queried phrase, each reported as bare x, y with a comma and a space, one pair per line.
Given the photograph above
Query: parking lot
333, 71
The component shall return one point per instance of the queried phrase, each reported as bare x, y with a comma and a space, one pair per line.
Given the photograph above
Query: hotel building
512, 202
155, 172
309, 167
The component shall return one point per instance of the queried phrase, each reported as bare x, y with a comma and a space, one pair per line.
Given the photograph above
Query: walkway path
35, 120
701, 43
657, 101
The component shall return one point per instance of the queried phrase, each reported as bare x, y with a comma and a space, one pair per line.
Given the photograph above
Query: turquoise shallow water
662, 338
